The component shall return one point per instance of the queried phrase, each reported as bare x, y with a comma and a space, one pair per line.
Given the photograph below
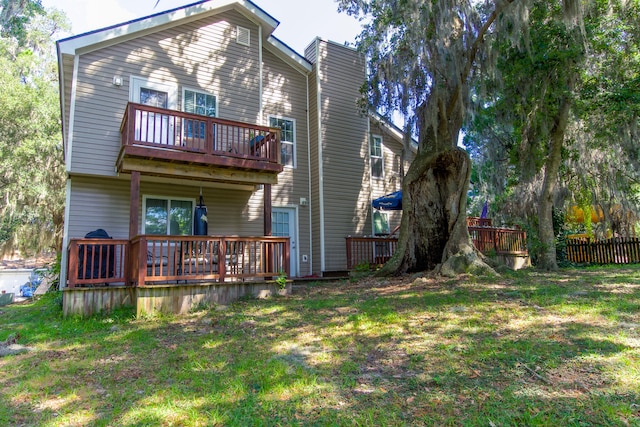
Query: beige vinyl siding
230, 212
310, 52
390, 148
99, 203
314, 166
345, 151
392, 181
284, 94
104, 203
201, 55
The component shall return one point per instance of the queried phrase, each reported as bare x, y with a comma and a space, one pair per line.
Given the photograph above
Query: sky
300, 20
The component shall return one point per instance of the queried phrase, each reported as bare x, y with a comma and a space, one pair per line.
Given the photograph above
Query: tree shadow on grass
443, 353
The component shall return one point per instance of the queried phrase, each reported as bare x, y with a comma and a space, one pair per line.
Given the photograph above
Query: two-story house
203, 104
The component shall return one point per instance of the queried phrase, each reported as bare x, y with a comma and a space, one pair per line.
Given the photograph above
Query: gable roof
100, 38
391, 128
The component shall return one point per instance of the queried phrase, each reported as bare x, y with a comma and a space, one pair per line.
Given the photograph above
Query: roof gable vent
243, 36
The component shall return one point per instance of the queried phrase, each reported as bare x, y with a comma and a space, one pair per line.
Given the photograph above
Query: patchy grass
528, 348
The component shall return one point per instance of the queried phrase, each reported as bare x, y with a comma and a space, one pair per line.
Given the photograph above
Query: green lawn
528, 348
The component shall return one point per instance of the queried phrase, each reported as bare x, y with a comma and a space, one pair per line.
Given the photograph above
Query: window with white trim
377, 161
287, 139
380, 223
201, 103
167, 216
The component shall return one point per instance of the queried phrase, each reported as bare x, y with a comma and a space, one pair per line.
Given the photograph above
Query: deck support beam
134, 204
267, 210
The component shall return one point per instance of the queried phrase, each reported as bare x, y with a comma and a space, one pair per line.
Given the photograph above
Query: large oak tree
423, 57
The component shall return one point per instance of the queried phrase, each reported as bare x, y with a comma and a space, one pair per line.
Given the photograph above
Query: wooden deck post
267, 210
267, 225
134, 204
72, 273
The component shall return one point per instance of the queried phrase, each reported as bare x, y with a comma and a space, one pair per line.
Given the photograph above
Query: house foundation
170, 298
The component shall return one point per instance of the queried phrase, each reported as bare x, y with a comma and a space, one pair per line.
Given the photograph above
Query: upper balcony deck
161, 142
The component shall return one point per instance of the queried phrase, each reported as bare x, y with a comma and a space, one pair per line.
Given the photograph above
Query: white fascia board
62, 102
285, 52
128, 30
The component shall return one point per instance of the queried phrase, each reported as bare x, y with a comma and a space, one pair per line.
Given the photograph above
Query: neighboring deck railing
143, 125
476, 221
148, 260
369, 251
500, 241
373, 251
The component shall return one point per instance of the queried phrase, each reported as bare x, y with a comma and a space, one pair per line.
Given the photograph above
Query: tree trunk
547, 260
433, 232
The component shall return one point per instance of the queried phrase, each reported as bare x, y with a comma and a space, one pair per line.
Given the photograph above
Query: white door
284, 223
154, 127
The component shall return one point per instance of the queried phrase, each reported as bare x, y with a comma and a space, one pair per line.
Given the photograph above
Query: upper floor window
377, 163
153, 126
154, 98
170, 216
202, 103
287, 139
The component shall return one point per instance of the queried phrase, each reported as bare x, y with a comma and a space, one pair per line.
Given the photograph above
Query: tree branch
473, 51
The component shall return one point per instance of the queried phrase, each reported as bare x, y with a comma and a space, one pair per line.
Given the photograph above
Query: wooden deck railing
476, 221
501, 241
143, 125
374, 251
148, 260
95, 262
369, 251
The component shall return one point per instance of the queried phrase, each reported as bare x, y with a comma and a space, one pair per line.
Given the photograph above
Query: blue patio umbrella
391, 201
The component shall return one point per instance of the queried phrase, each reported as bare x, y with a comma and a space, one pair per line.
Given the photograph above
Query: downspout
310, 191
260, 88
320, 169
368, 164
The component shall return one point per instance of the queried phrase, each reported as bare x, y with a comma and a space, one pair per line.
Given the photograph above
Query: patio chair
157, 265
200, 258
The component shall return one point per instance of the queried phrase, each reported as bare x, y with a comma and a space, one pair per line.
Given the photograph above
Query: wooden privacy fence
617, 250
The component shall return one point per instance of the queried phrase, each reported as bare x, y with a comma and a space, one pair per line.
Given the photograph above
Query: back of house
203, 103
